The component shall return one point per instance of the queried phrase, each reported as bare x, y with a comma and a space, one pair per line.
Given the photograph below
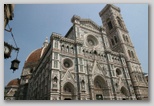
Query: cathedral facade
89, 63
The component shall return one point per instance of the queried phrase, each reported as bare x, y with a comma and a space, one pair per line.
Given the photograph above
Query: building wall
8, 13
85, 65
115, 28
10, 93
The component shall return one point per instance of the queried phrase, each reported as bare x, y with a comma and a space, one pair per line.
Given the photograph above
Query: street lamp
7, 51
15, 62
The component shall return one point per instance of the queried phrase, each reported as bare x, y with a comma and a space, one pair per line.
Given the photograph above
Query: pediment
98, 69
89, 24
68, 76
11, 92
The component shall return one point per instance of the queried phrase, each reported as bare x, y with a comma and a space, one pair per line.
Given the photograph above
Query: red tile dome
14, 82
34, 56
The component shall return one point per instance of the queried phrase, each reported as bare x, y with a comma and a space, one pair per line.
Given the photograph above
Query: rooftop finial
45, 44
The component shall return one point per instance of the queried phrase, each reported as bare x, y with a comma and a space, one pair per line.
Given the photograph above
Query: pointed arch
124, 91
67, 48
109, 23
68, 87
132, 54
116, 39
129, 53
95, 52
68, 91
62, 47
55, 79
112, 41
119, 22
72, 50
101, 89
56, 44
127, 39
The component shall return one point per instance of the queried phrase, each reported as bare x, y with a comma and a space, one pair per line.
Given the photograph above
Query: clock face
6, 49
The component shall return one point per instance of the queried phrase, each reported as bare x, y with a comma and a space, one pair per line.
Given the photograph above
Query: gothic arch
129, 53
67, 48
62, 47
124, 92
109, 23
112, 41
119, 22
95, 52
72, 49
116, 39
132, 54
56, 44
101, 89
68, 91
127, 39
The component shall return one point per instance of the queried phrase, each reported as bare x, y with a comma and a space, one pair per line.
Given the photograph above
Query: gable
89, 24
98, 69
10, 93
68, 76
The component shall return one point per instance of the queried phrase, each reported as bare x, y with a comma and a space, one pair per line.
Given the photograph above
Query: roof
35, 55
14, 82
108, 6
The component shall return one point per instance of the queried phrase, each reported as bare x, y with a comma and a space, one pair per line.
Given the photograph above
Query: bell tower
120, 41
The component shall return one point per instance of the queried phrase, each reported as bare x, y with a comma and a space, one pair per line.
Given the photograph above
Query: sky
32, 23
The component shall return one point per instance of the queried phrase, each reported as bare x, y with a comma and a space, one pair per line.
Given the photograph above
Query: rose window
92, 41
67, 63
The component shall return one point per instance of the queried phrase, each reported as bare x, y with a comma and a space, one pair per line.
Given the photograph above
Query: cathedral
90, 62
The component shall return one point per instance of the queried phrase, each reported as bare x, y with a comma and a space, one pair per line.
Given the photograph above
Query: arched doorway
68, 91
101, 91
124, 93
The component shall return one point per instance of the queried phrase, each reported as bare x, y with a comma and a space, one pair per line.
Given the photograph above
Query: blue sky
33, 23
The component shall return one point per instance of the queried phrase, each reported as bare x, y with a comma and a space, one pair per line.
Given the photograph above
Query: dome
35, 55
33, 58
14, 82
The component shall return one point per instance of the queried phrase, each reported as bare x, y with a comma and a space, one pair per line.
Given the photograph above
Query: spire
45, 44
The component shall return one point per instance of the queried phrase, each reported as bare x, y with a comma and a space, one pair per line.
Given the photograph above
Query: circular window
67, 63
118, 72
92, 41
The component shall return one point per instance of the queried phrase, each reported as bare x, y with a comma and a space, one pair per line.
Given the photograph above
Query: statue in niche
72, 50
67, 49
55, 81
62, 48
104, 70
82, 84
